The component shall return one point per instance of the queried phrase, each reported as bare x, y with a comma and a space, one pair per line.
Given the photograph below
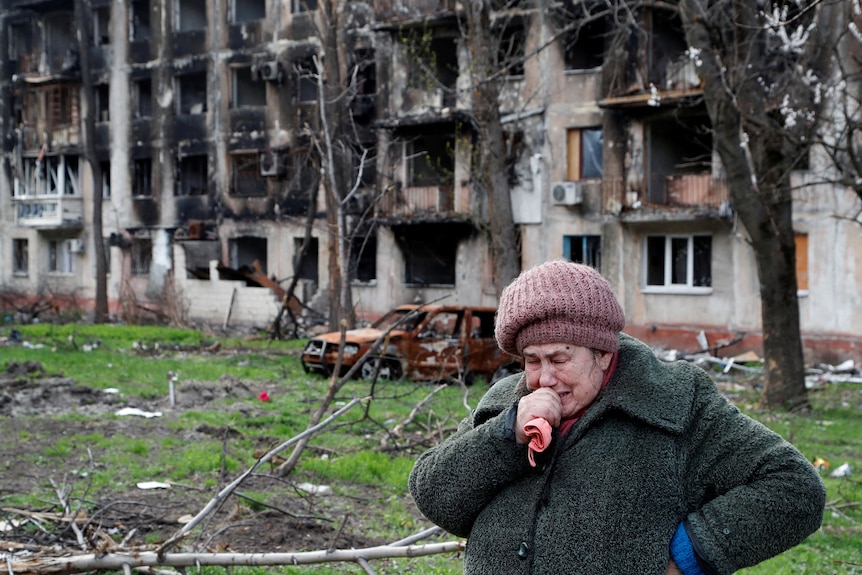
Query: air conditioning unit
567, 193
270, 71
271, 164
76, 246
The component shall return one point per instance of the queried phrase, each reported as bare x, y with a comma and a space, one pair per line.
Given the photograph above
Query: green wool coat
658, 446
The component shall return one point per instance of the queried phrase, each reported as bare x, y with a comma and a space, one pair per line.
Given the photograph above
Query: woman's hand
542, 403
672, 569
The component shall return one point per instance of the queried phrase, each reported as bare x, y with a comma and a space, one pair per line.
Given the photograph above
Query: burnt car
417, 342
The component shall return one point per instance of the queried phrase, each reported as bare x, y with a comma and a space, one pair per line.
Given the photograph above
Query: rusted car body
417, 342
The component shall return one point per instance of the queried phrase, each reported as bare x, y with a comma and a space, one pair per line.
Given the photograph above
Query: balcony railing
418, 200
48, 211
679, 191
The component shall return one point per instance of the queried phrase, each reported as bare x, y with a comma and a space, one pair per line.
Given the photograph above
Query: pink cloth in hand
539, 432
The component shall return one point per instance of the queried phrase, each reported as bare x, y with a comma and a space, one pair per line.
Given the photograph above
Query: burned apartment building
208, 136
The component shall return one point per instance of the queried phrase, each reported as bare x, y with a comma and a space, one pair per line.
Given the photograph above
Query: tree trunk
492, 168
83, 17
758, 168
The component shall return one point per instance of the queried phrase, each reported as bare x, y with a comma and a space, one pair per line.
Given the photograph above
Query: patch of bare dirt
298, 521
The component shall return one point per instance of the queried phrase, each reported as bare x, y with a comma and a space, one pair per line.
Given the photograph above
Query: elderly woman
600, 458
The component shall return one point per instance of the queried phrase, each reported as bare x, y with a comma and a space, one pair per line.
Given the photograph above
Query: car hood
361, 335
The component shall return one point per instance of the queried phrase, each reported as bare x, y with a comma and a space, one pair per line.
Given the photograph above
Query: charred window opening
362, 264
306, 76
583, 250
678, 262
303, 6
142, 174
103, 102
510, 51
430, 159
365, 72
20, 46
584, 153
432, 61
61, 257
106, 179
245, 178
430, 253
192, 176
20, 257
192, 93
307, 267
143, 98
676, 145
59, 37
191, 15
248, 10
63, 105
140, 16
583, 27
669, 66
247, 91
142, 256
247, 253
101, 25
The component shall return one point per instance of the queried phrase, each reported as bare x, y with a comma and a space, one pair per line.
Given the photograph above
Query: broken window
59, 41
192, 93
245, 178
51, 176
362, 264
192, 176
247, 92
103, 106
140, 16
143, 98
142, 174
247, 253
678, 262
510, 54
20, 257
430, 159
583, 153
432, 60
677, 144
801, 241
307, 80
106, 179
61, 257
101, 25
303, 5
248, 10
142, 256
583, 250
584, 41
20, 42
430, 253
307, 269
191, 15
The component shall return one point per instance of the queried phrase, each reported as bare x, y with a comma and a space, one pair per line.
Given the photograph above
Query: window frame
20, 257
668, 286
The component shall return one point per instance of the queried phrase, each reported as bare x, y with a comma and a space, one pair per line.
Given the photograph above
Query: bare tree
756, 61
83, 31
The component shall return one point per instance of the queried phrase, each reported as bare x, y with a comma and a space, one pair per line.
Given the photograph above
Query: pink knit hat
559, 302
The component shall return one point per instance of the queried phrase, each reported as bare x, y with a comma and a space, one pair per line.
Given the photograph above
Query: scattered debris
138, 412
843, 470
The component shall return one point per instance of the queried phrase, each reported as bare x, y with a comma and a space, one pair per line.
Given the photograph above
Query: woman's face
573, 372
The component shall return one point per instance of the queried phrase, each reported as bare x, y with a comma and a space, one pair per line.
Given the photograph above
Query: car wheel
389, 369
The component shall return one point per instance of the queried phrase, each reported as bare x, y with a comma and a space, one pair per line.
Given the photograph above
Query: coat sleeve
752, 495
452, 482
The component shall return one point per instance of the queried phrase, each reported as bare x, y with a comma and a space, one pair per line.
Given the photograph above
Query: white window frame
667, 287
61, 258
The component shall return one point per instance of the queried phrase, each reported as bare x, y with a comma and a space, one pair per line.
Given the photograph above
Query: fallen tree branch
124, 561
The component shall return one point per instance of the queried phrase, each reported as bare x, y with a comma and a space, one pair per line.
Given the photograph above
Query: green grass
348, 453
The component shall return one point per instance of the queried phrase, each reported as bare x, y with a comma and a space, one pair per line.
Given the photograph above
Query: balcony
48, 212
414, 201
682, 197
